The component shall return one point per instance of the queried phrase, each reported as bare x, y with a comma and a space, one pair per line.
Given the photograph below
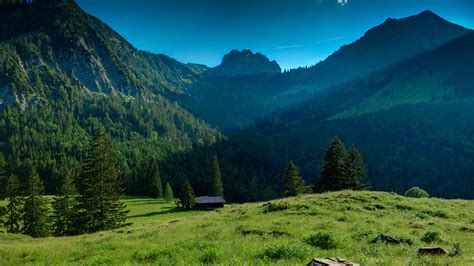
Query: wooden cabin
206, 202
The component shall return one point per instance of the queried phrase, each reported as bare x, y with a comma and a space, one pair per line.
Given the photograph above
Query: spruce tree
64, 208
13, 210
355, 173
188, 200
35, 210
217, 188
293, 183
99, 205
332, 172
153, 180
168, 193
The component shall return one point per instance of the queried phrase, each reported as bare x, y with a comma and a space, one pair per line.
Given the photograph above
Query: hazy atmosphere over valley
189, 132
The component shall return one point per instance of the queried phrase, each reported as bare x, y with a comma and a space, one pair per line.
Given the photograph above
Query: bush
284, 251
210, 257
322, 241
430, 237
416, 192
274, 207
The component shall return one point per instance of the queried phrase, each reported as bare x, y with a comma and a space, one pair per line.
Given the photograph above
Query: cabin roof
206, 200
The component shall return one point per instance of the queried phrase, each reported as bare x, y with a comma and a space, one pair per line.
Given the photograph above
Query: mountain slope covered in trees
64, 73
412, 123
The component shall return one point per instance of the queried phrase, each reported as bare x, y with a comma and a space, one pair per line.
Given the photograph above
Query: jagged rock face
245, 63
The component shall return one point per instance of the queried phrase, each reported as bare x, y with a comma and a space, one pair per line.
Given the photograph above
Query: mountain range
401, 93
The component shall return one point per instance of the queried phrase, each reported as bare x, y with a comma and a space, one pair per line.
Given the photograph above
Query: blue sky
292, 32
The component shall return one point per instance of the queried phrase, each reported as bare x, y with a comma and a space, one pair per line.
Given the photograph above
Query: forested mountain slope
412, 123
247, 86
63, 73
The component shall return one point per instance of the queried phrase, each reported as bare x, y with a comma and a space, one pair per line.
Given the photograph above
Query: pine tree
99, 205
293, 183
35, 211
14, 206
153, 180
64, 208
188, 200
355, 172
332, 172
217, 188
168, 193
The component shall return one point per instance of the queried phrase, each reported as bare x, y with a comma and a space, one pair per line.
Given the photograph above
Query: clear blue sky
292, 32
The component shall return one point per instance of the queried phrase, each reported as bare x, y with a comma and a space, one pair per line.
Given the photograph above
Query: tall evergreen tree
14, 206
99, 204
35, 210
168, 193
64, 208
332, 172
217, 188
188, 199
293, 183
153, 180
355, 173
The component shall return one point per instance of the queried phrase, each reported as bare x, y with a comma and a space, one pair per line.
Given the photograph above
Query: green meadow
281, 232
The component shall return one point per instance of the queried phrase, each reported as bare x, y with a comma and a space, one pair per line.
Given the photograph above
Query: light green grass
244, 233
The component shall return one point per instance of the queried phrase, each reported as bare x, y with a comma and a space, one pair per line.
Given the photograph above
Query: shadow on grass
149, 214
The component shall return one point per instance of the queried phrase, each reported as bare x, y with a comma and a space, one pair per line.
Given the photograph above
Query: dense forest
64, 74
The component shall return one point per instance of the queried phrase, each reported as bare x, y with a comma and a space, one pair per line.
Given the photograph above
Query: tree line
341, 170
93, 205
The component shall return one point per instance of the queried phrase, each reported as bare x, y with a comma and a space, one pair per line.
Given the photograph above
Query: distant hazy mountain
245, 63
412, 121
252, 98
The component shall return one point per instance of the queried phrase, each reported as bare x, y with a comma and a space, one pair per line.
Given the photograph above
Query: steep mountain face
232, 90
412, 122
63, 73
245, 63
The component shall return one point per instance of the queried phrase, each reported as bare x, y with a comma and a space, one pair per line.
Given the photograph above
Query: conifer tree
293, 183
332, 172
168, 193
355, 173
153, 180
99, 205
188, 199
13, 210
217, 188
64, 208
35, 211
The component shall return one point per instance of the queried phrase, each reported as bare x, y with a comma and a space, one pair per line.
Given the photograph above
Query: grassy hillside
274, 232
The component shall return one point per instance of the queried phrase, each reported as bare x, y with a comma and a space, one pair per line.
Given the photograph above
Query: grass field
283, 232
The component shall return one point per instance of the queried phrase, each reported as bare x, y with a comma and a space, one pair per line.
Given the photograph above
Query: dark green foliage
333, 169
430, 237
168, 193
293, 183
275, 207
188, 199
15, 202
153, 185
3, 210
99, 205
64, 208
35, 211
322, 241
416, 192
217, 188
283, 251
456, 250
355, 172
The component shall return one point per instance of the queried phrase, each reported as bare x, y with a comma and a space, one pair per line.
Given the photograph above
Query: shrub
456, 250
322, 241
274, 207
210, 256
430, 237
284, 251
416, 192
